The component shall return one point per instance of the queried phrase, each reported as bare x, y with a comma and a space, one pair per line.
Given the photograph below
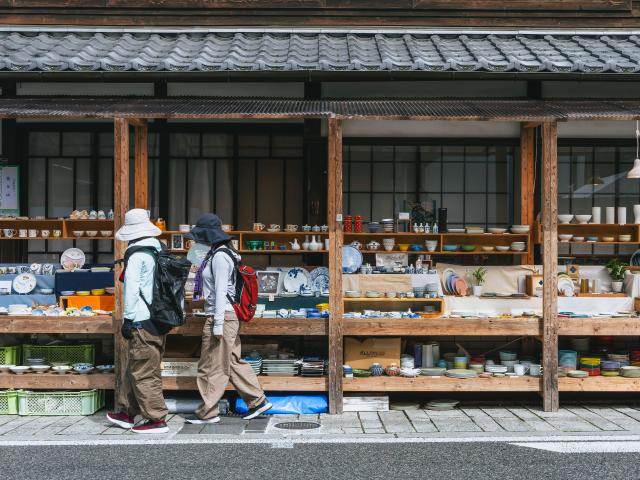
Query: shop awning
514, 110
317, 50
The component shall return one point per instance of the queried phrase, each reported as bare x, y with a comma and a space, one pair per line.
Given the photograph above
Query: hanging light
635, 171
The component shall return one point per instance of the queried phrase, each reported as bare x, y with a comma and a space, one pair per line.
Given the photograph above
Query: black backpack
167, 303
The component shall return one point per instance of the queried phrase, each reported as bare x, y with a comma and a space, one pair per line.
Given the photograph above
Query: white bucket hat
137, 225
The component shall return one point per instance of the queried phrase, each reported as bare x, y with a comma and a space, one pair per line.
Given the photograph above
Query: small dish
46, 291
468, 248
98, 291
565, 218
353, 294
40, 368
6, 368
578, 239
372, 294
20, 369
496, 230
403, 247
61, 369
78, 233
105, 368
624, 238
91, 233
450, 248
565, 237
106, 233
83, 369
502, 248
67, 293
488, 248
583, 218
83, 293
608, 239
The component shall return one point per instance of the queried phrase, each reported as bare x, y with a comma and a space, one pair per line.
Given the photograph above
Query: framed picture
177, 242
268, 282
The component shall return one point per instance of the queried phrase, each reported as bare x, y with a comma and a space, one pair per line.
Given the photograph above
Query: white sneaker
256, 411
202, 421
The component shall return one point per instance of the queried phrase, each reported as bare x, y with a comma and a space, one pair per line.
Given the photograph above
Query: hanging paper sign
9, 190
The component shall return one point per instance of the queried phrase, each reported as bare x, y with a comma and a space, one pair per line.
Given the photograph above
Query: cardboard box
362, 354
179, 367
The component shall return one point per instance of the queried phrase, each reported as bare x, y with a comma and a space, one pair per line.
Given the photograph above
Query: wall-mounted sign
9, 190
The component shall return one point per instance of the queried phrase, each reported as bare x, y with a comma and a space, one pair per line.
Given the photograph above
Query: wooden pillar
120, 206
527, 182
141, 166
550, 266
336, 308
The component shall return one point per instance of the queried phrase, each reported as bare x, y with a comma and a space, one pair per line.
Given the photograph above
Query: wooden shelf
399, 300
599, 384
442, 384
263, 326
99, 324
56, 381
273, 384
280, 252
599, 326
98, 237
510, 326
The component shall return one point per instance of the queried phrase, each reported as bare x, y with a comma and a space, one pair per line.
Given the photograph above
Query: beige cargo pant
221, 363
141, 390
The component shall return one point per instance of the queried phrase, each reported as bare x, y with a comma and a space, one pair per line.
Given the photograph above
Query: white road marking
532, 441
585, 447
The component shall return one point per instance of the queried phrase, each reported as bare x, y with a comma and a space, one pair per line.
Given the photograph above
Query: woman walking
220, 356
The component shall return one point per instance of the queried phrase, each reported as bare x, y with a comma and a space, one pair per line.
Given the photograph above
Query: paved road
459, 461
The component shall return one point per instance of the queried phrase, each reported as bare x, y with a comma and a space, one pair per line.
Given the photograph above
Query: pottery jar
347, 223
392, 370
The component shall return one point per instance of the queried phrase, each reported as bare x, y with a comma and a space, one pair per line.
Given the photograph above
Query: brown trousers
141, 391
221, 362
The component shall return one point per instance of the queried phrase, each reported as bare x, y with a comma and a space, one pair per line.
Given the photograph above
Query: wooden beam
527, 183
120, 207
336, 307
442, 384
550, 265
141, 166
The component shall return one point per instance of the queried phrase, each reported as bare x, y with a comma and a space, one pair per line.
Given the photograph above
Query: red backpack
246, 297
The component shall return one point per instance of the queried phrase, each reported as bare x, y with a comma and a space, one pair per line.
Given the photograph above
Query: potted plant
617, 269
479, 275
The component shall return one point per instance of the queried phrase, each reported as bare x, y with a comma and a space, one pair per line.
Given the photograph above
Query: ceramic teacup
9, 232
258, 227
57, 233
274, 226
45, 233
291, 228
33, 233
520, 369
535, 370
227, 227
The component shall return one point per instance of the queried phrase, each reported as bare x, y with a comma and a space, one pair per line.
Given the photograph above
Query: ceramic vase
596, 214
610, 215
636, 214
305, 244
477, 290
616, 287
622, 215
314, 244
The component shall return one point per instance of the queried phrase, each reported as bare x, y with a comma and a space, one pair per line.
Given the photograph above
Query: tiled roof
232, 51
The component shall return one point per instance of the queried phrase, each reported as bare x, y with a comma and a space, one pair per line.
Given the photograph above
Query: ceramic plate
296, 281
635, 259
319, 279
72, 259
24, 283
351, 259
445, 279
197, 253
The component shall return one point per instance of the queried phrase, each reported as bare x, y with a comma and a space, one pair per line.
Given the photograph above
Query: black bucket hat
208, 230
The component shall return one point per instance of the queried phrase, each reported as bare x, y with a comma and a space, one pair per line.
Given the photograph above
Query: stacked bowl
387, 225
388, 243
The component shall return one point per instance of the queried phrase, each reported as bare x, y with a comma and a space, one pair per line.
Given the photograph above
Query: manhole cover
297, 425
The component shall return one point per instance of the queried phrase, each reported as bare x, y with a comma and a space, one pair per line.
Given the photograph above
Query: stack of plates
577, 374
565, 285
35, 361
432, 371
279, 368
453, 284
269, 314
255, 362
312, 367
630, 372
441, 405
461, 373
387, 225
496, 368
409, 372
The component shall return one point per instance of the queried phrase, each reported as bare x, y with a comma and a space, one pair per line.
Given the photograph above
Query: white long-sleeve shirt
218, 282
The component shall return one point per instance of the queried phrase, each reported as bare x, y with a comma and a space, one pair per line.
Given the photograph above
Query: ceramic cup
535, 370
45, 233
315, 228
291, 227
9, 232
57, 233
326, 244
520, 369
258, 227
23, 233
185, 228
33, 233
227, 227
274, 226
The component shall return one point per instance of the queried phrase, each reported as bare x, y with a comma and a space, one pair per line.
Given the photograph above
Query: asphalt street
455, 461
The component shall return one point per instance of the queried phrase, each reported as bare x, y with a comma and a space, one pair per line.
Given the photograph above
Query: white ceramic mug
23, 233
274, 226
45, 233
535, 370
622, 215
520, 369
9, 232
258, 227
610, 215
33, 233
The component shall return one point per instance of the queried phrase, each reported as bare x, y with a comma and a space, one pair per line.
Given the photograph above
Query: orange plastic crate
97, 302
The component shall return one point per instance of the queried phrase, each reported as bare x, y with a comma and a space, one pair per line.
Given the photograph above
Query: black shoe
258, 410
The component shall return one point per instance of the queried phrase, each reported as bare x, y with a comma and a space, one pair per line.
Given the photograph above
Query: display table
74, 281
42, 281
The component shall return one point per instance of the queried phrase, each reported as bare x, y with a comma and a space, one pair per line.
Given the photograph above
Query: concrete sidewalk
476, 421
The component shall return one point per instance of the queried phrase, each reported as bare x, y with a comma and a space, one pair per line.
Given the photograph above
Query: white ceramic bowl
583, 218
388, 248
519, 229
61, 369
488, 248
565, 218
6, 368
518, 248
496, 230
624, 238
502, 248
91, 233
40, 368
608, 239
578, 239
565, 237
20, 369
78, 233
106, 233
353, 293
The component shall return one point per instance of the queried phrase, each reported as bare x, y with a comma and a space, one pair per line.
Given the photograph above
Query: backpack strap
236, 264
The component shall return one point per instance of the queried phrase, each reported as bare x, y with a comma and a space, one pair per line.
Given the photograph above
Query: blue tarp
291, 404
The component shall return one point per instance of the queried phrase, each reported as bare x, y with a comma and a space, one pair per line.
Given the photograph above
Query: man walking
141, 391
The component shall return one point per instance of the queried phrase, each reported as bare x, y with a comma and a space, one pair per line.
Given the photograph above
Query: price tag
338, 217
272, 297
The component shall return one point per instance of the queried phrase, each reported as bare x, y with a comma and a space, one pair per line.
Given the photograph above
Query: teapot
295, 245
356, 244
373, 245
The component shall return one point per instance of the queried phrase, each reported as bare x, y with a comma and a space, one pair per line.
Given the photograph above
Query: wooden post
141, 166
550, 266
120, 206
527, 182
336, 307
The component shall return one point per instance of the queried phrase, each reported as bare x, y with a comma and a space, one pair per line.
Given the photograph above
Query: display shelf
280, 252
617, 326
66, 227
69, 381
58, 238
442, 384
599, 384
263, 326
507, 326
269, 384
393, 300
594, 229
99, 324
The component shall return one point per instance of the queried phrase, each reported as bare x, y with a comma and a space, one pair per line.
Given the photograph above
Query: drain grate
297, 425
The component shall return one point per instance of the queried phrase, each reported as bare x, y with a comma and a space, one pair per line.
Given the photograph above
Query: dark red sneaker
151, 427
121, 419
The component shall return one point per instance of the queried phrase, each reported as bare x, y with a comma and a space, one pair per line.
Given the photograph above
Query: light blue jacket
138, 278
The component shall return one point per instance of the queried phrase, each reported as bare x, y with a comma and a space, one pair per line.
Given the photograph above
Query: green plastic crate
10, 355
8, 402
81, 402
60, 353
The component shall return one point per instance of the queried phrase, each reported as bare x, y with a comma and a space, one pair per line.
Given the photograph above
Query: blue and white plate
351, 259
319, 279
635, 259
296, 280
